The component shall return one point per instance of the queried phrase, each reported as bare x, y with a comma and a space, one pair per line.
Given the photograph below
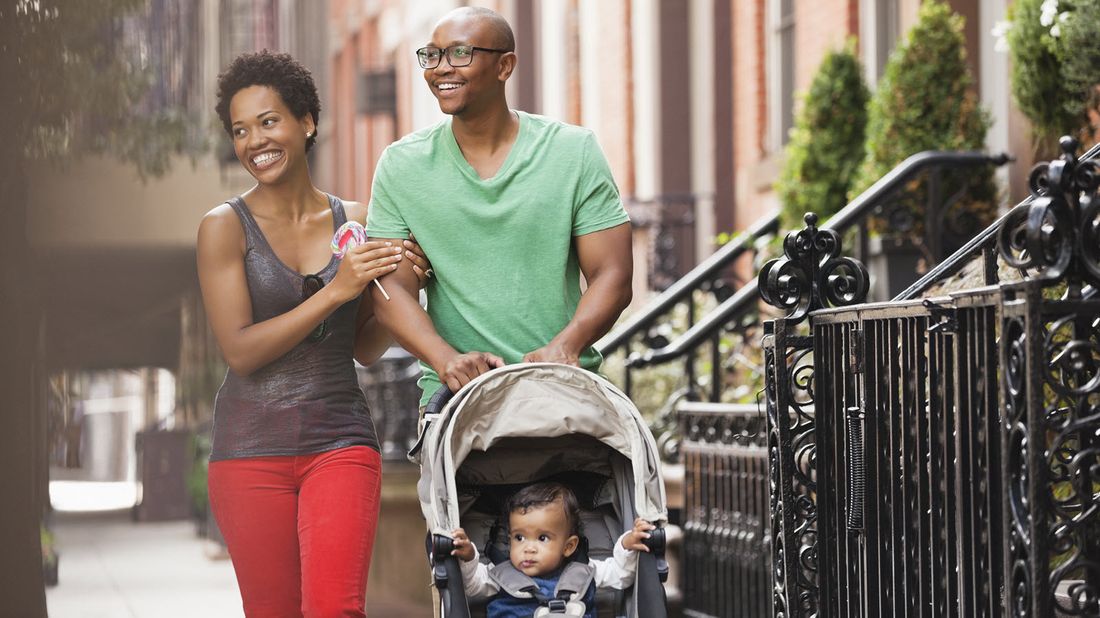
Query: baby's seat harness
569, 592
568, 600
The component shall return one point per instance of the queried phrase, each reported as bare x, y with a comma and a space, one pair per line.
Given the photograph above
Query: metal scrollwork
1052, 477
812, 275
1058, 232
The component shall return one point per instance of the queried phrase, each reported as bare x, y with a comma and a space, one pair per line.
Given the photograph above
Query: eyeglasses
457, 55
310, 286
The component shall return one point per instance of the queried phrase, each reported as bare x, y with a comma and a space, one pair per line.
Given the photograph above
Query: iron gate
941, 457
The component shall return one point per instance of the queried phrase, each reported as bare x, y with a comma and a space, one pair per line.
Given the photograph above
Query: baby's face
540, 539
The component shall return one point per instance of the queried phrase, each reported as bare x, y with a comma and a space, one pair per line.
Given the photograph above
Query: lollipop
352, 234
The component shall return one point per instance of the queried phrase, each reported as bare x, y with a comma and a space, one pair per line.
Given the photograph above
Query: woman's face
268, 140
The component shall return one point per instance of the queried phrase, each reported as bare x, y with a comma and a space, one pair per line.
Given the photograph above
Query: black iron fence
688, 321
941, 457
727, 536
670, 223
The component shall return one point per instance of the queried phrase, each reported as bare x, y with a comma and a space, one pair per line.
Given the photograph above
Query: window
878, 32
780, 72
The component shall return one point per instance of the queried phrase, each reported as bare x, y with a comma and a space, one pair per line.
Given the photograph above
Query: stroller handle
652, 572
447, 576
438, 400
435, 404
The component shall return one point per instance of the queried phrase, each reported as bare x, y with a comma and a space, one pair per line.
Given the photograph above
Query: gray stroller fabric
538, 401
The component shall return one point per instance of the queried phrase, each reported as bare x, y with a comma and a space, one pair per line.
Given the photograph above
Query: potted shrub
925, 101
1054, 46
826, 144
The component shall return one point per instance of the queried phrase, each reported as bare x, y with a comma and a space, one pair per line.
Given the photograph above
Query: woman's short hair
539, 495
280, 72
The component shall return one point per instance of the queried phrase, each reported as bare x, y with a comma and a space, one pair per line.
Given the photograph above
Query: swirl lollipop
352, 234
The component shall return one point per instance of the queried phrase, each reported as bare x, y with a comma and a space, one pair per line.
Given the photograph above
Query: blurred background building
691, 101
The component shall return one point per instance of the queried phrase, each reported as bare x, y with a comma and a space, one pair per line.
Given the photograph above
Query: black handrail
705, 270
850, 215
986, 239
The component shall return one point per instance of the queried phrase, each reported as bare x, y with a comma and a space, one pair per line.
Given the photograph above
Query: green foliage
71, 86
1038, 86
926, 101
46, 539
826, 143
197, 475
1080, 34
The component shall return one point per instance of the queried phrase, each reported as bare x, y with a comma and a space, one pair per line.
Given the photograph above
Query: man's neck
486, 134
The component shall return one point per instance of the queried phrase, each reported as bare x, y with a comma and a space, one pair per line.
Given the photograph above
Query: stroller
531, 422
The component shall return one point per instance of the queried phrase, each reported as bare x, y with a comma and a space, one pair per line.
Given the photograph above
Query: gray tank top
308, 400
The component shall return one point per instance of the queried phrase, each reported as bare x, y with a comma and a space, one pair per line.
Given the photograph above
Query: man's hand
554, 352
460, 369
633, 540
464, 549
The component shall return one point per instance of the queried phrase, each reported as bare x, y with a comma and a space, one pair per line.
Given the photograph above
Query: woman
295, 471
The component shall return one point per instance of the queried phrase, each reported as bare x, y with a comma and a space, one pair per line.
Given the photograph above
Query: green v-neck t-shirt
507, 278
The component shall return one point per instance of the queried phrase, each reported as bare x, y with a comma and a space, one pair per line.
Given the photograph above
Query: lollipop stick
381, 289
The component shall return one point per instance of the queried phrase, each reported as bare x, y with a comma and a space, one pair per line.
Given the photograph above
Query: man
510, 209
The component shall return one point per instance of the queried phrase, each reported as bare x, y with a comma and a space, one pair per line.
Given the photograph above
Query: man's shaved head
495, 26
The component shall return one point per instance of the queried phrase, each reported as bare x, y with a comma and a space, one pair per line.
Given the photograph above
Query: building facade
691, 99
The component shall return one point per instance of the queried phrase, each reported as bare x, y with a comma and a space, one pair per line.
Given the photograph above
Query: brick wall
820, 25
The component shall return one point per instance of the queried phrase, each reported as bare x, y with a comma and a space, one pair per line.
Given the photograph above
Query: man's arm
607, 261
410, 325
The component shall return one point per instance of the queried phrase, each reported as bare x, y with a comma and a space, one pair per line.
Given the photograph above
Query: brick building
691, 99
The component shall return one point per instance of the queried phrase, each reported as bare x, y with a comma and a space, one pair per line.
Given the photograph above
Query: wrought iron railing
727, 530
727, 533
980, 252
670, 222
676, 325
920, 466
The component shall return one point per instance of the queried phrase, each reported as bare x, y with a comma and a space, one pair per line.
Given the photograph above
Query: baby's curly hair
280, 72
540, 495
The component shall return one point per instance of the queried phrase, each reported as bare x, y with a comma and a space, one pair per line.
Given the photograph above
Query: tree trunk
22, 465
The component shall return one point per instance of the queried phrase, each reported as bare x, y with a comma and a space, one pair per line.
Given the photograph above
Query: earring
309, 135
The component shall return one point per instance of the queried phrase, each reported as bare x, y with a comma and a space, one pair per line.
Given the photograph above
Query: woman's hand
421, 266
361, 265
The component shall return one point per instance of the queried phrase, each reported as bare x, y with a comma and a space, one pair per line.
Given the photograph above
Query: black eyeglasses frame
444, 52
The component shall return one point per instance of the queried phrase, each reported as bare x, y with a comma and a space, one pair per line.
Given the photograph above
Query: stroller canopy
535, 400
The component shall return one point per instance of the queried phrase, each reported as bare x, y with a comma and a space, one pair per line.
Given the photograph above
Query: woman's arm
248, 346
371, 338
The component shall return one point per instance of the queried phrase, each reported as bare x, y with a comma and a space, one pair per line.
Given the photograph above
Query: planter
894, 263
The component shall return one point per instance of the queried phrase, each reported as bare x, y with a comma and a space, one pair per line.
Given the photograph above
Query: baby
544, 530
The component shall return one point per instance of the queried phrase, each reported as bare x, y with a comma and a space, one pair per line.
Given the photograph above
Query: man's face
463, 89
540, 539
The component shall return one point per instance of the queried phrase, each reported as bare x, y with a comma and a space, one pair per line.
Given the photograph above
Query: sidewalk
113, 567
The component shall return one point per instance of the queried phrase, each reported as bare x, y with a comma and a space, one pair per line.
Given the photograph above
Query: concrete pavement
113, 567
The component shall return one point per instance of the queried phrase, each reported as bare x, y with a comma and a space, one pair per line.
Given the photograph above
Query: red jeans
300, 529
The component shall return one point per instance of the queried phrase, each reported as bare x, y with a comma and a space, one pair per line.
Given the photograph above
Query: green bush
1054, 46
1080, 33
926, 101
826, 143
1038, 87
197, 475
